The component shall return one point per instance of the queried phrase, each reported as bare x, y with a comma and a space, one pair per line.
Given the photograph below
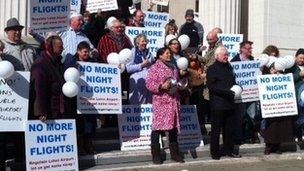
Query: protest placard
103, 5
277, 95
156, 36
156, 19
51, 15
51, 145
135, 128
75, 6
99, 89
14, 95
161, 2
232, 43
246, 73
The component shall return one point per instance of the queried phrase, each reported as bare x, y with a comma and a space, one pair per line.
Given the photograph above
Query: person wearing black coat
220, 79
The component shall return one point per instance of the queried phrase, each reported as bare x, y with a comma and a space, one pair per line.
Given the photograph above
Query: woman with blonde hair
138, 68
171, 28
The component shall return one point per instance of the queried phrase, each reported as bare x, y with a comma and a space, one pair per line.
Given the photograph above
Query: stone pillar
225, 14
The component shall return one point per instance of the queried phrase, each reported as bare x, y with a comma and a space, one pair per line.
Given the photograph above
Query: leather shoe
234, 155
215, 157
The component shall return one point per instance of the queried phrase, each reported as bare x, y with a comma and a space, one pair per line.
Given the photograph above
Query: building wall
177, 9
256, 26
13, 8
277, 22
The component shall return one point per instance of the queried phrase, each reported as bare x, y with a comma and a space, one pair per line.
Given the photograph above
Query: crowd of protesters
149, 79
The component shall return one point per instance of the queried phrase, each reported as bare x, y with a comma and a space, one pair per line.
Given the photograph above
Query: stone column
220, 13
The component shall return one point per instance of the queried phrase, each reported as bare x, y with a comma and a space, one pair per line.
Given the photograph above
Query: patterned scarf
139, 55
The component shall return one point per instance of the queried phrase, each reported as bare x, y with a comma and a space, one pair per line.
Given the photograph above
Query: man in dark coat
220, 79
193, 29
246, 127
46, 97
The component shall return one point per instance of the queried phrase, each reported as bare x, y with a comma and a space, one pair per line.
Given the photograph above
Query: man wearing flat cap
22, 56
193, 29
19, 53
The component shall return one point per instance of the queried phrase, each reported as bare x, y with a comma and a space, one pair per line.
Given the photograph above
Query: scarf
140, 55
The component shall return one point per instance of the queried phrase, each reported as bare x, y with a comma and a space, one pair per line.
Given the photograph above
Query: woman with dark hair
297, 71
175, 48
86, 124
166, 104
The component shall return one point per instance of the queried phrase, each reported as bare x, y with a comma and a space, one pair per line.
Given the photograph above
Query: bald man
217, 30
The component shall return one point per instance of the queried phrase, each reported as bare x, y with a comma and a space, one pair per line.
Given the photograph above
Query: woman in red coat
161, 81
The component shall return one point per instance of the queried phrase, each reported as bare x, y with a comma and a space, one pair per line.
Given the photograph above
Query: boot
89, 146
80, 145
155, 151
174, 152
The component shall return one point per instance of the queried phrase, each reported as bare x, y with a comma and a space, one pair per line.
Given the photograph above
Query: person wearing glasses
114, 41
244, 116
138, 18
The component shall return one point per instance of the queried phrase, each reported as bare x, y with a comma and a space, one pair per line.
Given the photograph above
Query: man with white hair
73, 36
114, 41
220, 79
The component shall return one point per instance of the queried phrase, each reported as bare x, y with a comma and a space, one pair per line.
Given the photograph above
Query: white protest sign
51, 145
156, 36
51, 15
99, 89
246, 73
161, 2
103, 5
232, 43
190, 136
14, 95
135, 128
156, 19
75, 6
277, 95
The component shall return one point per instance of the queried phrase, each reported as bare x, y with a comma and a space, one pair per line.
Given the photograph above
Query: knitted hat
189, 12
300, 51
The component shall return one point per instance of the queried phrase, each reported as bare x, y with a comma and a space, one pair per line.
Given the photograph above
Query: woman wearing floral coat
162, 82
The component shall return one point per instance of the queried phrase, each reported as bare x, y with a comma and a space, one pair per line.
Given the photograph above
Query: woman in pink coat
162, 82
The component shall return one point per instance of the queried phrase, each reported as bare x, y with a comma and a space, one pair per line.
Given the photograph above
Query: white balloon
237, 90
125, 56
184, 40
290, 61
263, 59
169, 37
71, 74
113, 58
302, 96
271, 60
280, 64
6, 69
182, 63
70, 89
